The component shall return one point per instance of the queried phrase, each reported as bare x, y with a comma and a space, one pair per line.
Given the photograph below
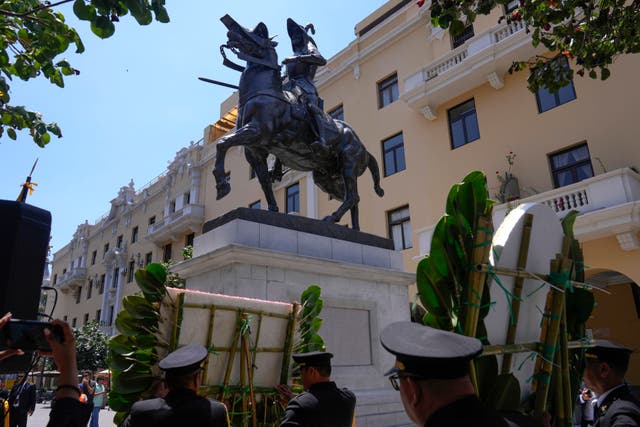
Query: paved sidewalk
40, 417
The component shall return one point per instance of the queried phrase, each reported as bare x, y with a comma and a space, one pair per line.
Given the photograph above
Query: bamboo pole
243, 379
232, 356
518, 284
552, 339
491, 350
565, 377
212, 316
475, 285
288, 344
249, 365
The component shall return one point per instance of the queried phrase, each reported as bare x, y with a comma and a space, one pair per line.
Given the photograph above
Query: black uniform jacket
179, 407
468, 411
69, 412
619, 409
324, 405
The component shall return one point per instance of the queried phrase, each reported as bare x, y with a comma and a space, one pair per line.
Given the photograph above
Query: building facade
430, 108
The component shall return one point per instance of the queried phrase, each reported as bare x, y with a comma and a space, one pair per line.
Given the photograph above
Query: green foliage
310, 323
187, 252
443, 274
132, 353
91, 347
593, 33
34, 35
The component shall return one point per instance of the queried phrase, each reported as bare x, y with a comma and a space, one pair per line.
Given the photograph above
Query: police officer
432, 374
606, 365
323, 404
182, 405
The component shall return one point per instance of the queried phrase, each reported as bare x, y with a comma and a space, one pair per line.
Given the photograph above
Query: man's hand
12, 351
64, 354
285, 394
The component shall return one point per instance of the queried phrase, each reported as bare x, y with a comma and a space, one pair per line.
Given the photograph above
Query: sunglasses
395, 380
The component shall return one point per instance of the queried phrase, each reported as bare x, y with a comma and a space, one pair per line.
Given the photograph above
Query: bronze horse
271, 121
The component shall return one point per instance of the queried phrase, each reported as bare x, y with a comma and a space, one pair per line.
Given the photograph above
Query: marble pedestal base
272, 256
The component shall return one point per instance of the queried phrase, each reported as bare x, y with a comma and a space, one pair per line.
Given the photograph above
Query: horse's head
254, 42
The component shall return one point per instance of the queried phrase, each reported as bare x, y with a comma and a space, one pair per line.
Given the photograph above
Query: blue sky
138, 100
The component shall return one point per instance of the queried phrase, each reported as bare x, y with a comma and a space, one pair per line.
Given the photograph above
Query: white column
116, 303
196, 174
312, 197
105, 297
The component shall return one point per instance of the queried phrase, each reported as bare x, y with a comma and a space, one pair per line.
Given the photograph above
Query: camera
28, 335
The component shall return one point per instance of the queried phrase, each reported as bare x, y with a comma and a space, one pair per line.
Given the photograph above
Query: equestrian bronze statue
288, 121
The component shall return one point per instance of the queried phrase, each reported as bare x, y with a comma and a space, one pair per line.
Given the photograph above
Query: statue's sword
216, 82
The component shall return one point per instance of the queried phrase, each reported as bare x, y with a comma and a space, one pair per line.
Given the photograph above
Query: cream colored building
430, 109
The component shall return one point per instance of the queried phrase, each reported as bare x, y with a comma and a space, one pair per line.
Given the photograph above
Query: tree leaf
102, 27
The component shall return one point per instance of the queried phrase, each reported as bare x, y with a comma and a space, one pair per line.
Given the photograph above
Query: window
459, 40
114, 279
94, 254
152, 220
172, 206
148, 258
65, 318
78, 294
393, 154
74, 322
337, 113
86, 319
89, 288
293, 198
186, 198
105, 249
463, 124
400, 228
255, 205
102, 283
547, 100
387, 91
134, 234
131, 269
98, 313
110, 319
571, 165
119, 241
166, 252
188, 240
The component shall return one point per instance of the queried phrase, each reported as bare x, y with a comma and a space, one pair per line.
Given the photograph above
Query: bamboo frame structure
518, 285
246, 392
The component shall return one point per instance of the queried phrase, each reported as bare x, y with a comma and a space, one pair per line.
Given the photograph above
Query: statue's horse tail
375, 174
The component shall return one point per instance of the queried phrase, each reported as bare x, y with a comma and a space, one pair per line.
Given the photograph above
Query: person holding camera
68, 411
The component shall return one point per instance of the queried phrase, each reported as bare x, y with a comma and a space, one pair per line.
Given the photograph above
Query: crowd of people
431, 372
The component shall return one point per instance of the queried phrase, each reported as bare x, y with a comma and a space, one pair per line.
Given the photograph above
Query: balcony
72, 279
484, 58
609, 205
189, 219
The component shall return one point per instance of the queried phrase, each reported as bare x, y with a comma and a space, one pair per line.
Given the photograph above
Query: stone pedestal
266, 255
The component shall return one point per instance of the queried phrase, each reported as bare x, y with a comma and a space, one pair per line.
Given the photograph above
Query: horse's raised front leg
243, 136
259, 164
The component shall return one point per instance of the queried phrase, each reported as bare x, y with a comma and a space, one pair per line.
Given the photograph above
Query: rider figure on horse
301, 70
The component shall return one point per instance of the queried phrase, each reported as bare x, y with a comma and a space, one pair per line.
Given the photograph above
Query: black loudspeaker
24, 242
